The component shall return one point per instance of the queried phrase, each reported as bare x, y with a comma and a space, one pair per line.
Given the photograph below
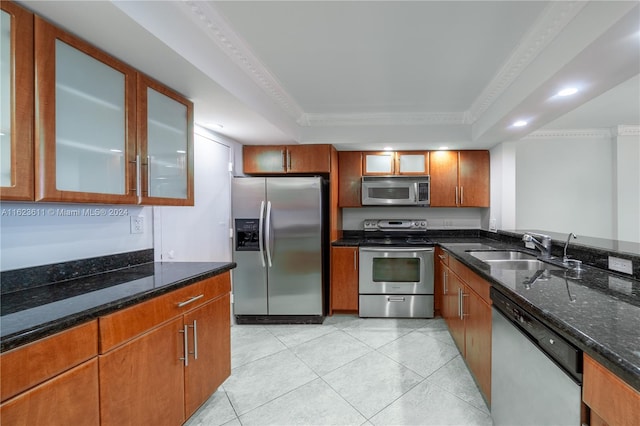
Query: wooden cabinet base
611, 400
70, 398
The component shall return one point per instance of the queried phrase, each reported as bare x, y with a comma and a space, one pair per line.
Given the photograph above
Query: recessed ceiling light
567, 92
443, 148
115, 150
181, 151
520, 123
388, 148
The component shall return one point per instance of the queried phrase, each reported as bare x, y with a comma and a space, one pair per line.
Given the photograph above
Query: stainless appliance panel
249, 284
527, 388
396, 270
294, 226
396, 306
396, 190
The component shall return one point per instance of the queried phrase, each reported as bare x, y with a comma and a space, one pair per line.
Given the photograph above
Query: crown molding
554, 18
383, 119
570, 133
626, 130
215, 25
551, 22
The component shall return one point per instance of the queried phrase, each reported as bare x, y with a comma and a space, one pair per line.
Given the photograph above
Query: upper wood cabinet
395, 163
104, 133
459, 178
85, 147
349, 179
165, 145
259, 159
17, 101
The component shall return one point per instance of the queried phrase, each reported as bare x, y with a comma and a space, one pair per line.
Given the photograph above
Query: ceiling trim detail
550, 23
570, 133
626, 130
220, 31
383, 119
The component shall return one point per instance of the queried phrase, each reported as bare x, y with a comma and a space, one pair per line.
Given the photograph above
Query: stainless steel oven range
396, 269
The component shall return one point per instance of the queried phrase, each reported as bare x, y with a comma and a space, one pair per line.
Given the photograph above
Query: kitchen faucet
544, 246
565, 257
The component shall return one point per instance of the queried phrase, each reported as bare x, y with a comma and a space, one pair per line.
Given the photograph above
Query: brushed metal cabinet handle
395, 299
445, 277
461, 195
185, 335
195, 339
193, 299
284, 160
355, 260
456, 195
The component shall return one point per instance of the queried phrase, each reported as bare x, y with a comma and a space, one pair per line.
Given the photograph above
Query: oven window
400, 193
396, 269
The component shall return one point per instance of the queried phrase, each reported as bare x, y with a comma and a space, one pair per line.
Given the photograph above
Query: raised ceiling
366, 74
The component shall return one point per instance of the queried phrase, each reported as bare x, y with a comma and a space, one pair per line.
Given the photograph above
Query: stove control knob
424, 224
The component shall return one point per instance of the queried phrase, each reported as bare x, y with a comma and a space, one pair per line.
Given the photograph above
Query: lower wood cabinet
610, 399
70, 398
162, 375
344, 279
466, 307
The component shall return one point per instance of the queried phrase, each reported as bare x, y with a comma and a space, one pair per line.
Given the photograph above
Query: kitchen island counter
35, 312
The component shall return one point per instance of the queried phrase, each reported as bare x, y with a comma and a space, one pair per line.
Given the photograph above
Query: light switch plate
621, 265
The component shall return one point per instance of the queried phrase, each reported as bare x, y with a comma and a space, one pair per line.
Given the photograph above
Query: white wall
565, 184
627, 187
437, 217
503, 186
64, 232
200, 233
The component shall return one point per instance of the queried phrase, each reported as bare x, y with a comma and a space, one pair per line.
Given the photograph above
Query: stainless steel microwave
395, 190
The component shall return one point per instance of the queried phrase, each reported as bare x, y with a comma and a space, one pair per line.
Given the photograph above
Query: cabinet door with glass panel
16, 107
165, 138
85, 121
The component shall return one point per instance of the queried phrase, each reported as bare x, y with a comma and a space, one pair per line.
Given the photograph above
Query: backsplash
21, 279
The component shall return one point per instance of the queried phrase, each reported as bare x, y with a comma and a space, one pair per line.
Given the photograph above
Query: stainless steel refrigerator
280, 247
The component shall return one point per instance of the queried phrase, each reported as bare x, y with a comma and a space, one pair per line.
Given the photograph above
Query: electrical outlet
621, 265
137, 224
492, 225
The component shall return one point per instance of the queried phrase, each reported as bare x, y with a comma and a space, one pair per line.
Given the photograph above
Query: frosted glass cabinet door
16, 103
86, 121
166, 144
413, 163
379, 163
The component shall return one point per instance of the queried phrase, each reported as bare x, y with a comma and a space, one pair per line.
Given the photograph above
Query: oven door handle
396, 249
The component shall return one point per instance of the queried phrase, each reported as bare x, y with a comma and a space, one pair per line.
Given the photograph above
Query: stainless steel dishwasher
536, 375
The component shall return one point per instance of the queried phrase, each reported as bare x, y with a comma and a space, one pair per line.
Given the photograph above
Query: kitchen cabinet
70, 398
165, 144
459, 178
105, 132
610, 399
395, 163
344, 279
38, 388
17, 102
467, 310
283, 159
177, 345
441, 266
85, 148
350, 179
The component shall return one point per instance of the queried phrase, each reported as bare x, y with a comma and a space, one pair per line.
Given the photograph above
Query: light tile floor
347, 371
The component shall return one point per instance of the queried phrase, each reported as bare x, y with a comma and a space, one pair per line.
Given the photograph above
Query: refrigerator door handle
261, 234
267, 227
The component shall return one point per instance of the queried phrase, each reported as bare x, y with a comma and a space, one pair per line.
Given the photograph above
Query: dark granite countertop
33, 313
597, 311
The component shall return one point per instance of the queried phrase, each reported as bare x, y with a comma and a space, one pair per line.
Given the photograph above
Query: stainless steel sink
510, 259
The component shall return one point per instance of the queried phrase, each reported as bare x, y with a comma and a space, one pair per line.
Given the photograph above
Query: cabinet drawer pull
185, 335
193, 299
442, 256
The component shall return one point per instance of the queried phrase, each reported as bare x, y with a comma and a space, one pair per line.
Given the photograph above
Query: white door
199, 233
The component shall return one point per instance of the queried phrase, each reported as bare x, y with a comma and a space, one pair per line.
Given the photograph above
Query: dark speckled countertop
31, 313
597, 311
